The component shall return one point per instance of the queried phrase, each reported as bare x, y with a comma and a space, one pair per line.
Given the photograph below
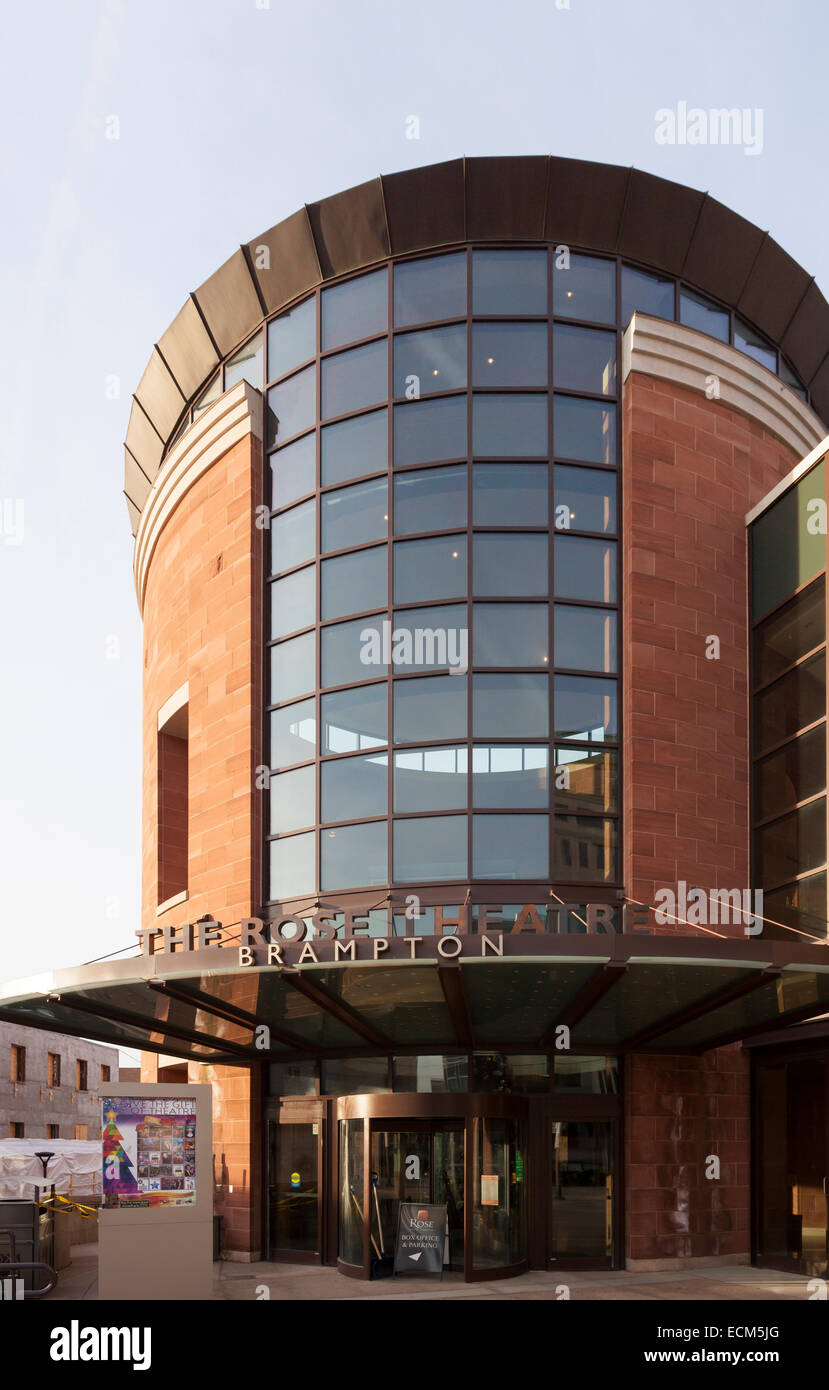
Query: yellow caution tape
67, 1206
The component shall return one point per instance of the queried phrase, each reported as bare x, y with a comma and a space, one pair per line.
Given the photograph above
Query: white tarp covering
75, 1168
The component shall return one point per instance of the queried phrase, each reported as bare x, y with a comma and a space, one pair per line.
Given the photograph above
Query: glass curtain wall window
789, 714
443, 444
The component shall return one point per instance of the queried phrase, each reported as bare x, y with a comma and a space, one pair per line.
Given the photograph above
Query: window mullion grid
551, 665
470, 543
390, 580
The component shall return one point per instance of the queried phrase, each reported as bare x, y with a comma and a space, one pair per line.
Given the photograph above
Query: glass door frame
290, 1111
574, 1109
401, 1110
816, 1051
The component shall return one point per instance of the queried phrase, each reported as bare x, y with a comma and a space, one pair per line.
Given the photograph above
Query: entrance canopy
615, 994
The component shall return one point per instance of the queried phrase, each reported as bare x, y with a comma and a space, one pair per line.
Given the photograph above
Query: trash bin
31, 1230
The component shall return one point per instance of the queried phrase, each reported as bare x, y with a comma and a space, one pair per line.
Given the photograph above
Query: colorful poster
149, 1151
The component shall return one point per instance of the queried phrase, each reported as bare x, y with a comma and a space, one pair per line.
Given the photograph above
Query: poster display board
148, 1150
156, 1223
421, 1236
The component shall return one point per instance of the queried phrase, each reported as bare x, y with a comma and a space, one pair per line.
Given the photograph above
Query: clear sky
233, 113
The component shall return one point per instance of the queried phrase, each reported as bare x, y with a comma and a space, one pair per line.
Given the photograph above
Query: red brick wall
692, 469
679, 1112
203, 625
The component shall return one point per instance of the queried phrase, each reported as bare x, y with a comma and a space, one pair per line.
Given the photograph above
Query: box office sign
148, 1151
421, 1237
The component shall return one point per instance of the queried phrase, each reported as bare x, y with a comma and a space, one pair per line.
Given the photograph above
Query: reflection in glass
292, 339
293, 799
434, 568
353, 787
792, 845
348, 652
584, 430
292, 867
429, 847
355, 309
430, 779
293, 537
698, 312
792, 703
585, 779
510, 564
293, 602
597, 1076
585, 568
354, 583
351, 1186
354, 448
585, 708
584, 359
294, 470
430, 639
797, 628
429, 361
585, 499
355, 1076
511, 634
509, 494
509, 705
354, 719
500, 1192
293, 668
509, 426
585, 639
293, 734
434, 288
585, 849
354, 515
247, 364
513, 846
584, 288
428, 707
354, 379
430, 1074
754, 346
509, 282
430, 499
787, 548
292, 406
801, 905
582, 1181
353, 856
794, 773
210, 394
428, 431
509, 777
649, 294
509, 354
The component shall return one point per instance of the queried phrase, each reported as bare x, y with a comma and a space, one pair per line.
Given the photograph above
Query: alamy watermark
419, 646
694, 125
715, 907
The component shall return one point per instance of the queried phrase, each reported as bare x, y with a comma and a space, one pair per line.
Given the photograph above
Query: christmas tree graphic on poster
119, 1169
148, 1146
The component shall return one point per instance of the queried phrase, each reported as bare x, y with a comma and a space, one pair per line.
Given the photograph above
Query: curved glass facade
443, 444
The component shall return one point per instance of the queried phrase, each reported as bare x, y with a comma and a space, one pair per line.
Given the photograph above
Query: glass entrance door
294, 1161
418, 1162
582, 1201
793, 1158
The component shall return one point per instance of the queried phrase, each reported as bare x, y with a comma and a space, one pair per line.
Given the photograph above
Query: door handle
826, 1187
